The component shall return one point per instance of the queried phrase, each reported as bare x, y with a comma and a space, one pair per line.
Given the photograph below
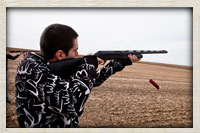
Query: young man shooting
45, 99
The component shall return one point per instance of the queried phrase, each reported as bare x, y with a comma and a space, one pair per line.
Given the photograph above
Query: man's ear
59, 55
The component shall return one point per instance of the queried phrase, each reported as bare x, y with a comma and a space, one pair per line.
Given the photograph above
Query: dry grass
127, 99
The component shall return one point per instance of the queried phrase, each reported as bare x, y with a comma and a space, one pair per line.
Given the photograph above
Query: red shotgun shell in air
154, 83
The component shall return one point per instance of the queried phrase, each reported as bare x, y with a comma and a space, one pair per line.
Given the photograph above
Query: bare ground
127, 99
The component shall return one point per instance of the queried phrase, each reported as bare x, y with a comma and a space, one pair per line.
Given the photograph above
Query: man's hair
56, 37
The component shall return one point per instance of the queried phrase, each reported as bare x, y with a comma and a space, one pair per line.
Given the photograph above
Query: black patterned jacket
44, 99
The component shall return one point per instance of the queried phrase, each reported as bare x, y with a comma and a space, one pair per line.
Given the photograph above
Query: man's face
73, 52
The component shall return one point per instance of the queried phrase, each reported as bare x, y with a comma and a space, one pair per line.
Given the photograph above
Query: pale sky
110, 29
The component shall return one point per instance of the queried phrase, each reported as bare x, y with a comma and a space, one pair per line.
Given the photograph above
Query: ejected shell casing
154, 83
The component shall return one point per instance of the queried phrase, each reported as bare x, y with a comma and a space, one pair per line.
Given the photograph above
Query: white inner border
195, 4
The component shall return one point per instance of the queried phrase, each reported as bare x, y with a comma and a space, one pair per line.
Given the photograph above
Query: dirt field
127, 99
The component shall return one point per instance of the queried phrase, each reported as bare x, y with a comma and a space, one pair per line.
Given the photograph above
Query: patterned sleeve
82, 82
111, 68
